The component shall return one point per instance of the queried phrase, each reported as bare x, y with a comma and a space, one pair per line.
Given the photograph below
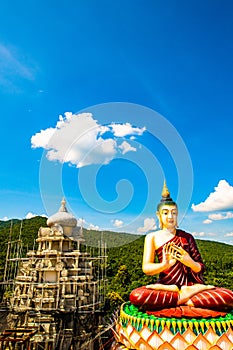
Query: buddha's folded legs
217, 298
151, 299
187, 292
212, 298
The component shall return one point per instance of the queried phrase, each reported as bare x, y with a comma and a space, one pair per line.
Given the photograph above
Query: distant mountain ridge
124, 250
91, 236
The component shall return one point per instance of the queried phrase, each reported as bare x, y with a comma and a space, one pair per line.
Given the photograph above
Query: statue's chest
160, 241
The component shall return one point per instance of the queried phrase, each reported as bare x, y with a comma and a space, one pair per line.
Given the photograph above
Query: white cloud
216, 216
41, 139
219, 216
207, 221
126, 147
89, 226
202, 234
149, 224
80, 222
30, 215
230, 234
77, 139
117, 223
198, 234
121, 130
5, 218
93, 227
221, 199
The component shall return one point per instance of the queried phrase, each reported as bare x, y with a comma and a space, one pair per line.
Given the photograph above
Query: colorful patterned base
139, 331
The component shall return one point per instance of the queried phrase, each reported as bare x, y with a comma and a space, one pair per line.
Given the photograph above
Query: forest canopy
124, 263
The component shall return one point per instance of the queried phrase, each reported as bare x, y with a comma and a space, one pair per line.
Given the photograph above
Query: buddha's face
167, 216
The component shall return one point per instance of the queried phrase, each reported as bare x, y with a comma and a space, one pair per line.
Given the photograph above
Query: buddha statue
180, 268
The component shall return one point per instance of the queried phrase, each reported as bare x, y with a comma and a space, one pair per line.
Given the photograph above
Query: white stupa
64, 219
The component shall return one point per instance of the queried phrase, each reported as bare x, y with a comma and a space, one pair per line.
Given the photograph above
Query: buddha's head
167, 210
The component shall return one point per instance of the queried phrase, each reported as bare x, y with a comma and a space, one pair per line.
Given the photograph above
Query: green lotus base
140, 331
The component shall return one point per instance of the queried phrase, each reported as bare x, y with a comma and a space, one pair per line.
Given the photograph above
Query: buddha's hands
181, 255
168, 259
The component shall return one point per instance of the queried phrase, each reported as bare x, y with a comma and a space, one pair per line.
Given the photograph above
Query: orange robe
181, 275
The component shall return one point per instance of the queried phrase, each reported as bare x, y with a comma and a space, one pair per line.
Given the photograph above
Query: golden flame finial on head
166, 197
165, 191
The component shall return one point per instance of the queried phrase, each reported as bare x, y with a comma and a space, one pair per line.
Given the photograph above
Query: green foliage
15, 230
7, 294
113, 300
124, 266
128, 258
218, 260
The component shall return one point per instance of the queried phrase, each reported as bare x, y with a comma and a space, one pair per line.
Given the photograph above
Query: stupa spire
62, 217
63, 206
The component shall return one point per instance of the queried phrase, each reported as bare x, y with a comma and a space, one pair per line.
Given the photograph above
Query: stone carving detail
57, 230
57, 277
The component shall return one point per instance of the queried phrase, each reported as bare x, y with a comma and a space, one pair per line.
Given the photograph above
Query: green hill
124, 256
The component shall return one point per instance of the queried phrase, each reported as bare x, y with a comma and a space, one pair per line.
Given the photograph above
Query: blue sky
102, 100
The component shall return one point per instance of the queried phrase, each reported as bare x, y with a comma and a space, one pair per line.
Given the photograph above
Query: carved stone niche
50, 276
66, 246
55, 246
